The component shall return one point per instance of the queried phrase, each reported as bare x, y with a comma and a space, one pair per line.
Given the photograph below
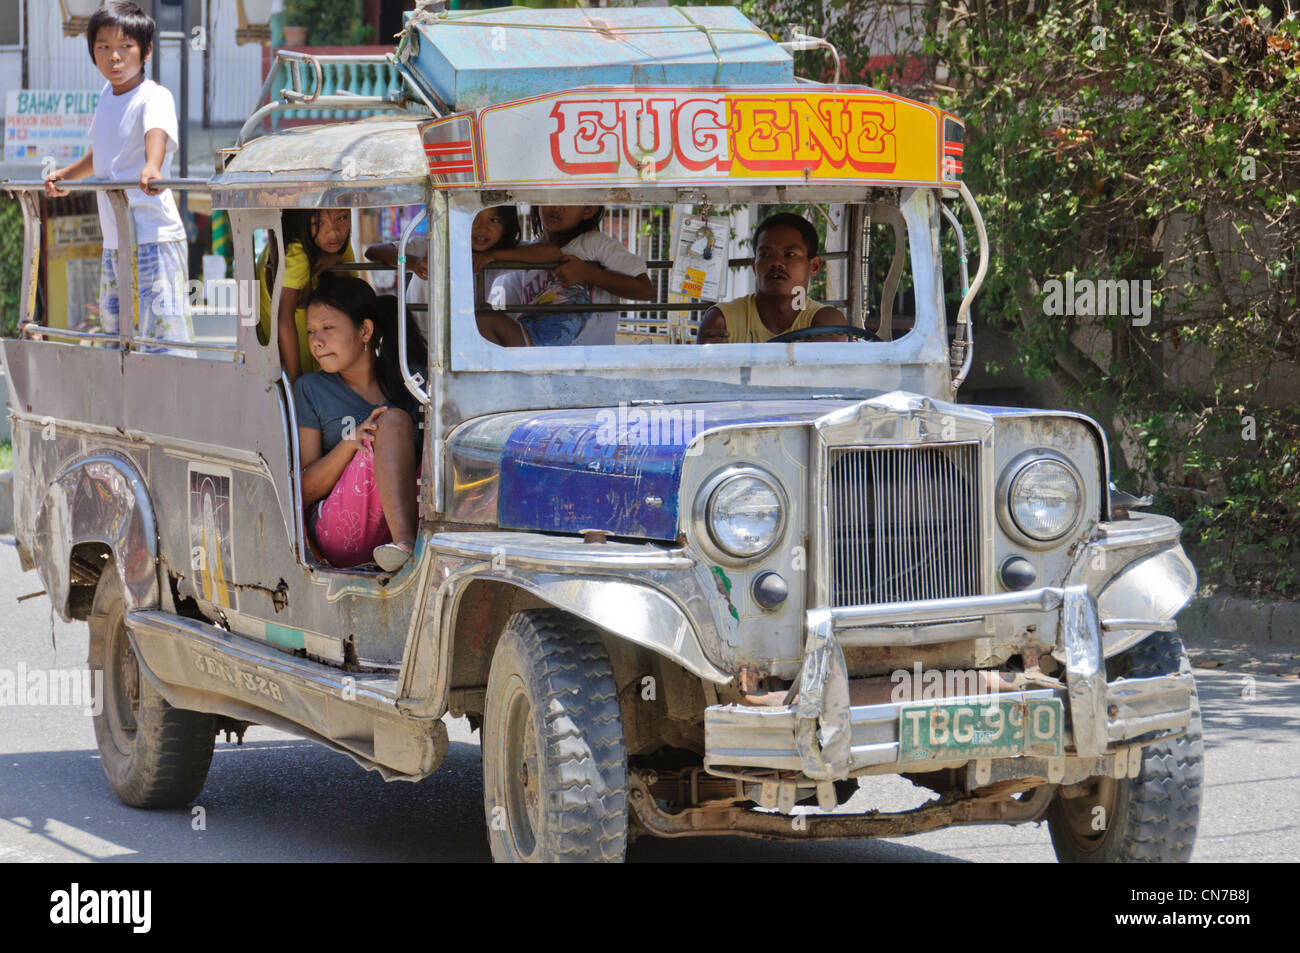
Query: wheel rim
522, 778
123, 690
1077, 813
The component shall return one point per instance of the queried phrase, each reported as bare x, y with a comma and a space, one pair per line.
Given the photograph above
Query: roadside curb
1241, 620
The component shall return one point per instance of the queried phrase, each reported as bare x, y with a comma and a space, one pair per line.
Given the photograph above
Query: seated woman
785, 262
356, 428
313, 241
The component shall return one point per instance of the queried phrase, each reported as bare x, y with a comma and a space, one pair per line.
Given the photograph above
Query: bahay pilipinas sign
680, 135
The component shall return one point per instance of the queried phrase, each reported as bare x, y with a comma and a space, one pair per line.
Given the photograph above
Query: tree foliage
1150, 141
329, 22
11, 263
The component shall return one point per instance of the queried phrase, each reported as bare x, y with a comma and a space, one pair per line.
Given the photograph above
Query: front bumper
824, 738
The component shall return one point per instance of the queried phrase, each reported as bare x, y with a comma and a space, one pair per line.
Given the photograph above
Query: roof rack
312, 95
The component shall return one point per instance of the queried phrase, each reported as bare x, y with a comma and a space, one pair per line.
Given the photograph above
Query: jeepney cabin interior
694, 259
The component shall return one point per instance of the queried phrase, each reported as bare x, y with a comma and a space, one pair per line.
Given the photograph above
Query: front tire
554, 758
1152, 817
155, 756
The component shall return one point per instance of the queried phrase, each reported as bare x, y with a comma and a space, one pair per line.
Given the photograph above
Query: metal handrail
101, 185
44, 331
125, 337
294, 97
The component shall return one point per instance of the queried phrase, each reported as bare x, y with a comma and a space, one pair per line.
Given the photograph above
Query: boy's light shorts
163, 285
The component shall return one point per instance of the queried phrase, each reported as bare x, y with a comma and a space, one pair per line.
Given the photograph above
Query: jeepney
682, 590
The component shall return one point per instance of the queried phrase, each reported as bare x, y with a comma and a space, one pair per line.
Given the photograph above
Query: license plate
997, 728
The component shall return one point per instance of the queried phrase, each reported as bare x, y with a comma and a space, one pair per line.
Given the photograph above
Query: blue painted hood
616, 469
595, 468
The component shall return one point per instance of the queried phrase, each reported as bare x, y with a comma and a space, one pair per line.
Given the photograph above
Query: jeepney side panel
211, 441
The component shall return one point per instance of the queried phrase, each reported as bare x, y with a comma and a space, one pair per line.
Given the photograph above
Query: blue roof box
475, 58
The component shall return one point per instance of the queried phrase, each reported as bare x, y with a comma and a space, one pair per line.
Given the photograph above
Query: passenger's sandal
392, 556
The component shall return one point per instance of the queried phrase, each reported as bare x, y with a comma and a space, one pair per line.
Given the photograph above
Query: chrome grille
904, 523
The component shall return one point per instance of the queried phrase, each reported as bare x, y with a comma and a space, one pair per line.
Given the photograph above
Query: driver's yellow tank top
744, 326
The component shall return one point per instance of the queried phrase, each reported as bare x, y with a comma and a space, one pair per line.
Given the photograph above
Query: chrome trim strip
1149, 625
1046, 599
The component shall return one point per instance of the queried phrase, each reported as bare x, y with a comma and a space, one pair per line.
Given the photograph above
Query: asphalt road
279, 798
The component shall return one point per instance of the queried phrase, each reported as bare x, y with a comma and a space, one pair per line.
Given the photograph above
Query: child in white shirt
132, 138
593, 269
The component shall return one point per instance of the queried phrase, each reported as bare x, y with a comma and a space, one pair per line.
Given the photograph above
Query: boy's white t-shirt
522, 287
117, 151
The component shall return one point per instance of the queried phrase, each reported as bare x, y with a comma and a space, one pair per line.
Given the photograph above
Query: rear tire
1154, 816
154, 755
554, 758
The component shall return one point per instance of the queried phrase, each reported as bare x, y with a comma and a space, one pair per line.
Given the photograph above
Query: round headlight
744, 513
1045, 499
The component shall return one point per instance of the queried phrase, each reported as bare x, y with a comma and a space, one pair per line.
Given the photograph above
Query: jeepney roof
368, 162
475, 58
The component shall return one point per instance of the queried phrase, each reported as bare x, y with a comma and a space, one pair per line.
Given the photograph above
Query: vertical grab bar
414, 383
31, 208
127, 265
963, 328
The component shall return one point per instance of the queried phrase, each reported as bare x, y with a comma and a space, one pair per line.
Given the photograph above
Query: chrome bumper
826, 739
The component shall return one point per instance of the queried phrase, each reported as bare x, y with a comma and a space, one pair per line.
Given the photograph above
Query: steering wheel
816, 331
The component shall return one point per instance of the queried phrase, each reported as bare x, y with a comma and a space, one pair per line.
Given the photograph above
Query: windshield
552, 276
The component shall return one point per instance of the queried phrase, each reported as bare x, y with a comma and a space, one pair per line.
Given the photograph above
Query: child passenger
356, 428
313, 241
132, 137
593, 269
492, 229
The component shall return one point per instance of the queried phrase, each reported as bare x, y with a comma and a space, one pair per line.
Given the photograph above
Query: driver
785, 261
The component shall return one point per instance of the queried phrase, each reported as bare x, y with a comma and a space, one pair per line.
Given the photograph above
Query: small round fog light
770, 590
1018, 573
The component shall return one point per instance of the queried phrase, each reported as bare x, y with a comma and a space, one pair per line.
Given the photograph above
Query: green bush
1119, 139
329, 22
11, 263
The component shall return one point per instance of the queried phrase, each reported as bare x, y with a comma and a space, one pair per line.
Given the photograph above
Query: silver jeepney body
184, 470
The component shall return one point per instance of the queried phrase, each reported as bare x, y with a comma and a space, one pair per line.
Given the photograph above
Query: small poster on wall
701, 256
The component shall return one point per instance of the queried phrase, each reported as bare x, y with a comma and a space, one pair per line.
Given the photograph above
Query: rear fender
99, 498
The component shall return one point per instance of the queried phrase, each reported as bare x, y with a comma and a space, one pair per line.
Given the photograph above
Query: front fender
1137, 570
100, 498
646, 595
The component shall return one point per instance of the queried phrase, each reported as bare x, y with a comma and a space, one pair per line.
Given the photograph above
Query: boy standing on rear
132, 138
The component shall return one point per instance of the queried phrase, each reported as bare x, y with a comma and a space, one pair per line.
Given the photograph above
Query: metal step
202, 667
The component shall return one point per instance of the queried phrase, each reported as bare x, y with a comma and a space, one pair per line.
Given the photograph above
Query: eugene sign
686, 135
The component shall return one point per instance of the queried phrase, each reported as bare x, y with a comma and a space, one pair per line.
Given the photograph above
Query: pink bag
349, 523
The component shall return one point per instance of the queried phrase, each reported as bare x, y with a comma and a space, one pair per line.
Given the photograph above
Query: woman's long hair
358, 301
297, 228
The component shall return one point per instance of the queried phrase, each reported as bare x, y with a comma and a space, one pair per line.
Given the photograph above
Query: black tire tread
173, 746
585, 757
1156, 814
